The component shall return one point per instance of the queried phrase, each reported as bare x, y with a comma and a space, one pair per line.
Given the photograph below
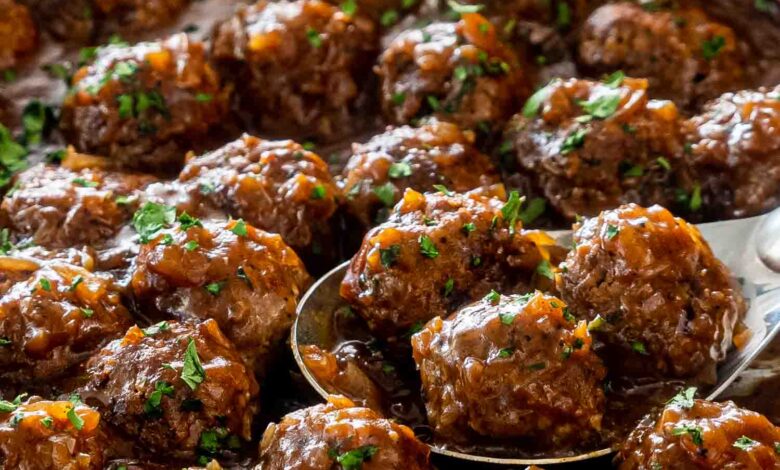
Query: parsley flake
192, 372
427, 247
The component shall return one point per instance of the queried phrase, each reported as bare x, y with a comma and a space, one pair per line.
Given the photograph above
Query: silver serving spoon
749, 247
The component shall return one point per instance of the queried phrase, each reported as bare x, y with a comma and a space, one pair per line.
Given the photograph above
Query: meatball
20, 263
277, 186
55, 319
661, 302
687, 57
17, 33
733, 155
438, 251
175, 388
144, 106
589, 146
511, 367
50, 435
56, 207
459, 72
247, 280
298, 65
380, 170
322, 436
702, 435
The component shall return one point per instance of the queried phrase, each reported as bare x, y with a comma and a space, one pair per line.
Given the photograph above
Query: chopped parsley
75, 419
711, 48
314, 38
544, 268
152, 405
187, 221
602, 107
427, 247
349, 7
45, 284
151, 218
443, 189
318, 192
353, 459
461, 9
87, 312
389, 18
639, 347
388, 256
449, 286
398, 98
38, 120
596, 323
663, 163
533, 105
47, 422
399, 170
468, 227
563, 17
533, 210
615, 79
75, 283
684, 399
84, 183
12, 156
574, 141
612, 231
694, 204
693, 431
191, 245
156, 328
214, 288
567, 314
239, 228
192, 372
744, 443
537, 366
386, 194
203, 97
506, 352
511, 210
5, 341
634, 171
507, 318
493, 297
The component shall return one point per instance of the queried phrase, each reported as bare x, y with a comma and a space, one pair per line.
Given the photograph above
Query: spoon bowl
749, 247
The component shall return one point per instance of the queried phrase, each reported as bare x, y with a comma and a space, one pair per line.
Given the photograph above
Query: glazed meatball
298, 66
459, 72
733, 155
702, 435
665, 305
589, 146
17, 33
174, 388
144, 106
435, 253
274, 185
55, 319
56, 207
50, 435
380, 170
247, 280
511, 367
340, 434
687, 57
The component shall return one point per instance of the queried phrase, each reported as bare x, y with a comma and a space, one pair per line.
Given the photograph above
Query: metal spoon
749, 247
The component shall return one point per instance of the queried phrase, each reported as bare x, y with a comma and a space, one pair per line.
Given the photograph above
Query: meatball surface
298, 66
686, 56
144, 106
174, 388
247, 280
340, 434
702, 435
511, 366
18, 35
56, 207
668, 306
404, 157
435, 253
50, 435
459, 72
55, 319
274, 185
589, 146
733, 157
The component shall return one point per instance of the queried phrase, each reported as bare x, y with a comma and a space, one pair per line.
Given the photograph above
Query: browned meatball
459, 72
686, 56
54, 319
589, 146
174, 388
667, 306
694, 434
144, 106
340, 435
274, 185
50, 435
511, 367
437, 152
56, 207
247, 280
435, 253
17, 33
733, 155
298, 66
